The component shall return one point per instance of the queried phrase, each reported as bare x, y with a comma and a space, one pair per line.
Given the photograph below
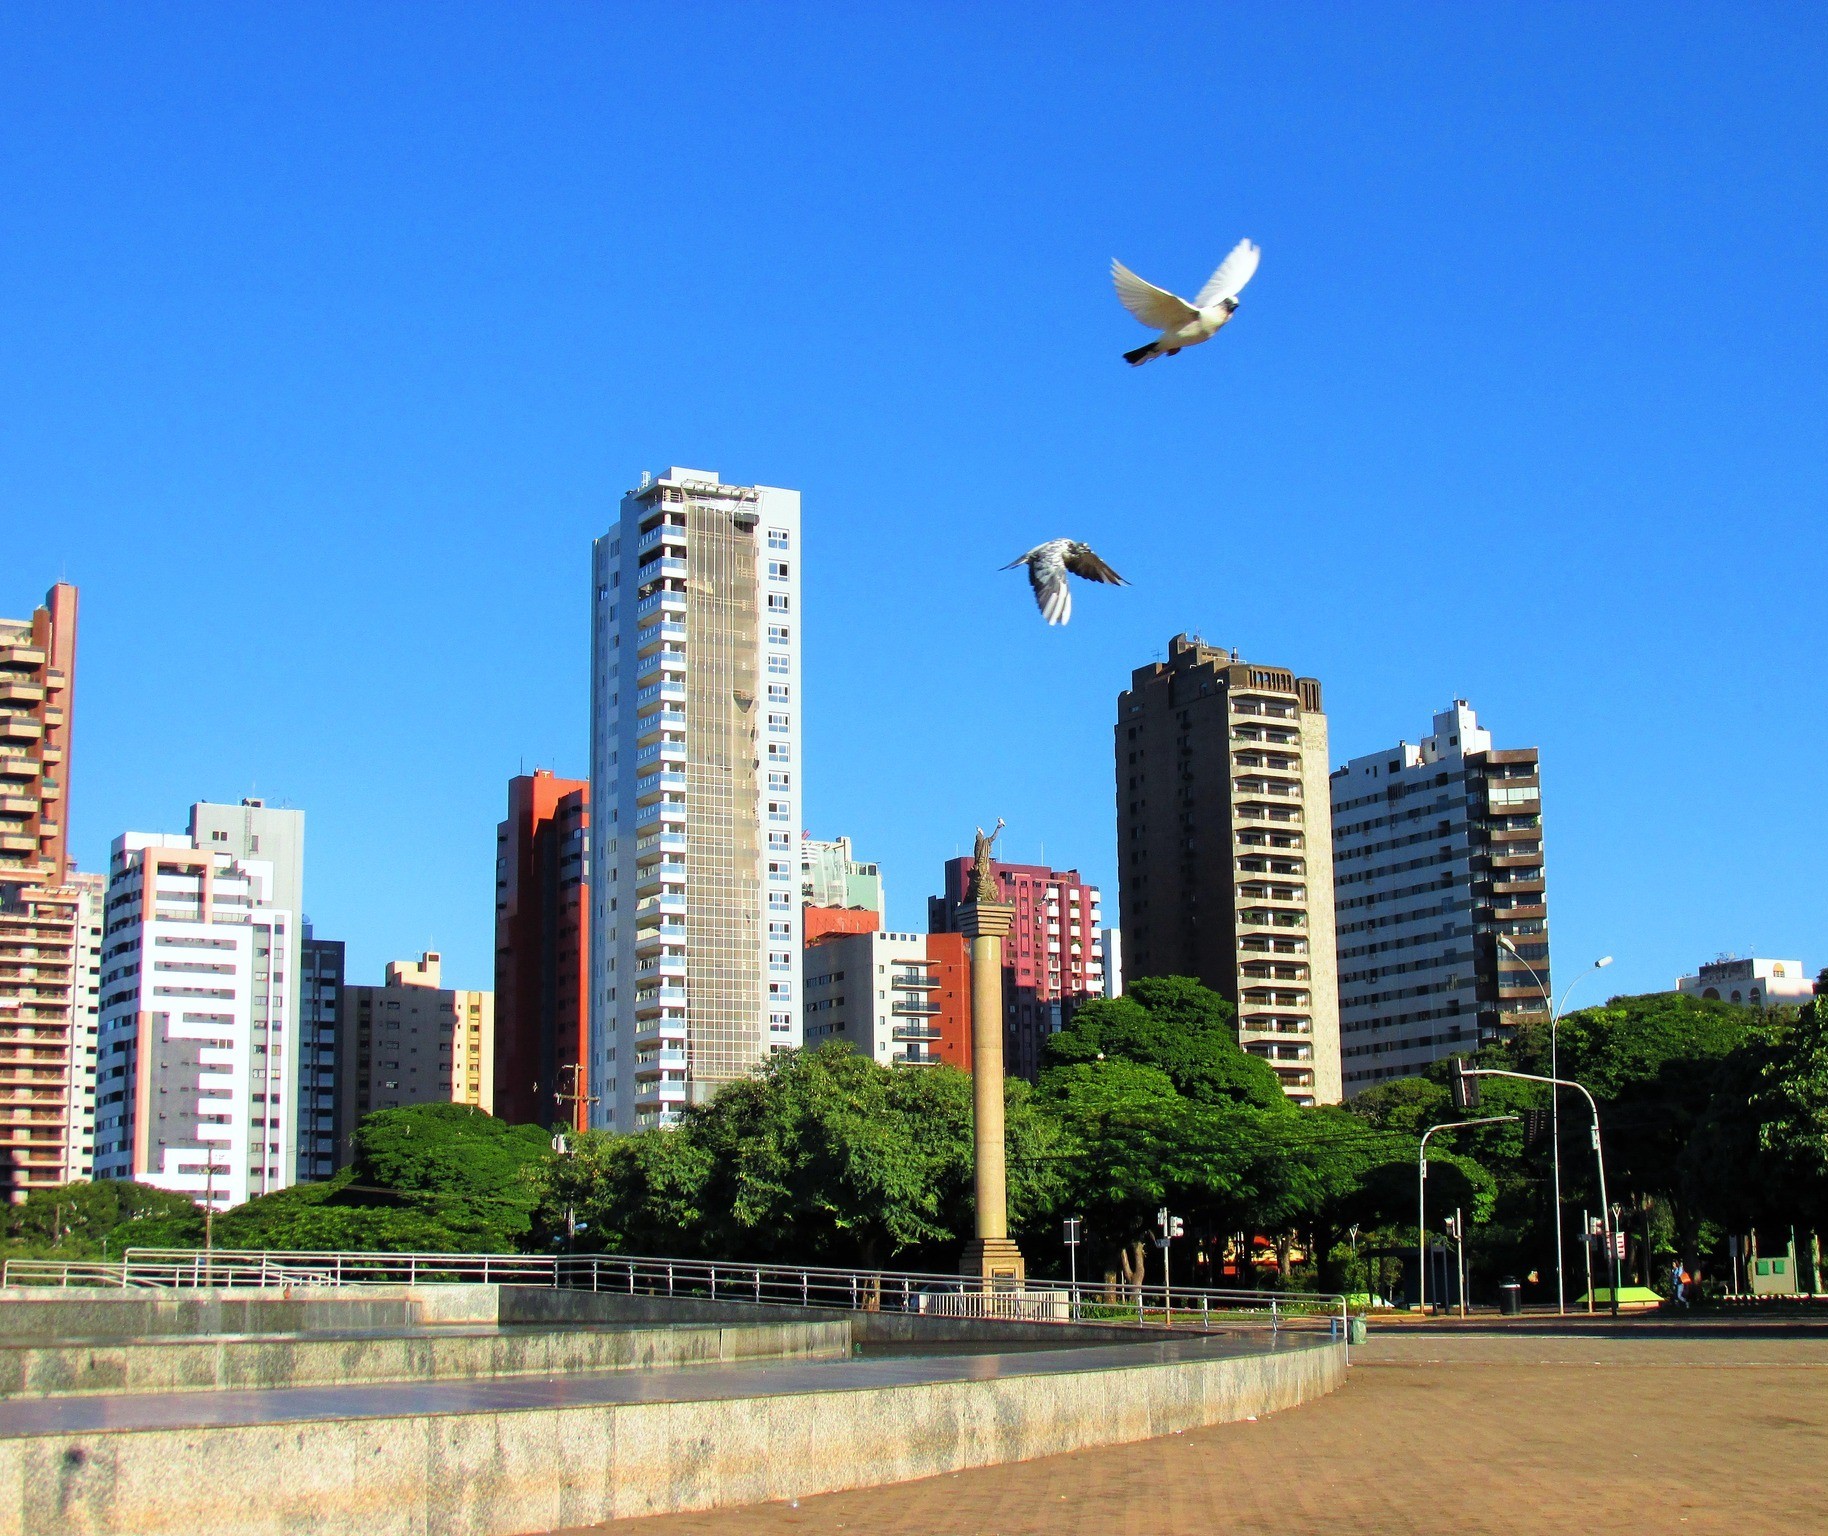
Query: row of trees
1716, 1120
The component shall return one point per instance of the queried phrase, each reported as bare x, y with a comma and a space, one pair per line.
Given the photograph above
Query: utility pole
579, 1101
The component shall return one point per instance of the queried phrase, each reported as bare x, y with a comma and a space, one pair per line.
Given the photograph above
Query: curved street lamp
1504, 942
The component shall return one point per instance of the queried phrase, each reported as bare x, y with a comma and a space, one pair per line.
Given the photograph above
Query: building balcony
650, 1000
17, 805
913, 1058
904, 983
647, 938
1275, 1024
912, 1008
650, 636
667, 688
19, 691
667, 1034
913, 1032
1267, 917
20, 728
651, 786
660, 533
1275, 1052
648, 727
661, 602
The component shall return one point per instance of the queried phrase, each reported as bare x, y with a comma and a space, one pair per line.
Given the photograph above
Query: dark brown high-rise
1225, 850
542, 947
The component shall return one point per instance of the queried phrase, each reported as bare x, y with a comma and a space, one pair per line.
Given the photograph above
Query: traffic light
1465, 1086
1175, 1227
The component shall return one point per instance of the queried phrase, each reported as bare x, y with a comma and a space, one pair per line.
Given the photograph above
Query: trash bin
1510, 1298
1355, 1330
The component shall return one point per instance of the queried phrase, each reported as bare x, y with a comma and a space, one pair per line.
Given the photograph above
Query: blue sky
330, 334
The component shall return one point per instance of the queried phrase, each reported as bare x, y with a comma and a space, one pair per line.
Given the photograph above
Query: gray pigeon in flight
1182, 324
1048, 565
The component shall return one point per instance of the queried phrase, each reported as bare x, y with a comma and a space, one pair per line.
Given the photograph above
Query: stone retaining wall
542, 1469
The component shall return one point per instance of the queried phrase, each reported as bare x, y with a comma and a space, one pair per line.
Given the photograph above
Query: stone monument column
990, 1257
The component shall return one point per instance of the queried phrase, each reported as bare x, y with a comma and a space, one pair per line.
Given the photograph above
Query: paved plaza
1433, 1432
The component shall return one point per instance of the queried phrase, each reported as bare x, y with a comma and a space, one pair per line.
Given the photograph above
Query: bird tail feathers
1140, 355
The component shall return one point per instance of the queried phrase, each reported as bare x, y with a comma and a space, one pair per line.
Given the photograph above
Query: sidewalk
1498, 1432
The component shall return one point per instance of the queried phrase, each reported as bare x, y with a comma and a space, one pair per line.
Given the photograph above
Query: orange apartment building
46, 1052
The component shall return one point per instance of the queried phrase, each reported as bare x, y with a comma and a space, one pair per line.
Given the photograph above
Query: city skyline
394, 434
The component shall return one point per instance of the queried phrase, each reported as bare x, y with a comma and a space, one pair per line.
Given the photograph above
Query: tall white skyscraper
695, 787
275, 836
193, 1078
1437, 850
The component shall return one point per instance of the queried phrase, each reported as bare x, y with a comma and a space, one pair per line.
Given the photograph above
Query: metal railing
1182, 1307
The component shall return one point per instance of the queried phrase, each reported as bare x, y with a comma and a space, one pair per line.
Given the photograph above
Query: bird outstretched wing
1151, 305
1082, 562
1047, 575
1233, 273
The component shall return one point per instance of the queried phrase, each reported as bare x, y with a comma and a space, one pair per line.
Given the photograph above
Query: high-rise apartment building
1225, 850
276, 837
695, 784
1052, 960
92, 897
1111, 941
320, 1007
194, 1080
542, 952
831, 876
43, 991
1438, 851
37, 687
903, 999
414, 1040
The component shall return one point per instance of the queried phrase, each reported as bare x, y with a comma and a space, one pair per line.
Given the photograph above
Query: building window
777, 570
777, 602
777, 538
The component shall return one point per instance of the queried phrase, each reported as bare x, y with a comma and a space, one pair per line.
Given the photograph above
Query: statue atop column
983, 885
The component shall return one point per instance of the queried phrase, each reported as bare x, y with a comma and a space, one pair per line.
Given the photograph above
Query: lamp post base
996, 1261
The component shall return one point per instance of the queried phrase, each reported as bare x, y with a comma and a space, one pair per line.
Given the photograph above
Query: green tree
1183, 1029
820, 1156
95, 1220
1792, 1111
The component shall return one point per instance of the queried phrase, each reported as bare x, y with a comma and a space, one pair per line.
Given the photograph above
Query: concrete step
73, 1368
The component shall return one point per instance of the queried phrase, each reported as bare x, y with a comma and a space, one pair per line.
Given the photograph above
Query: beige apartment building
45, 1019
414, 1040
1225, 851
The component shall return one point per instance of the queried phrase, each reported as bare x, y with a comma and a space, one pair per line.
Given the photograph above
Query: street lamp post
1599, 1155
1504, 941
1421, 1196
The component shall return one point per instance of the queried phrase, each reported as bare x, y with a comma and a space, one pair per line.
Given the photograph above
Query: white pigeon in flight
1047, 567
1182, 324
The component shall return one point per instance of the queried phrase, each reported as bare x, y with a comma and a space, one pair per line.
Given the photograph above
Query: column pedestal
990, 1257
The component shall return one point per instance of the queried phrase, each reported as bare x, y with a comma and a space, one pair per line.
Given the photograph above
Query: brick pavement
1432, 1433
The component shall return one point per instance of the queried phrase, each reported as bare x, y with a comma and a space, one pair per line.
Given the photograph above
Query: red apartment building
542, 951
1051, 959
821, 921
